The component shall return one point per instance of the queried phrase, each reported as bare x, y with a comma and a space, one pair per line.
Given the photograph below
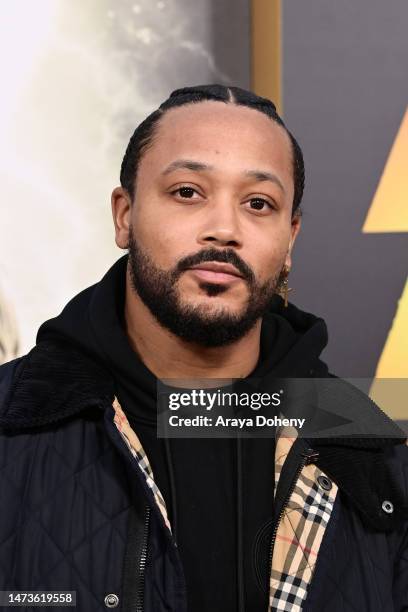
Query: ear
295, 229
121, 209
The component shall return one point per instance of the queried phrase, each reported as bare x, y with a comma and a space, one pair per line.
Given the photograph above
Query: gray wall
345, 76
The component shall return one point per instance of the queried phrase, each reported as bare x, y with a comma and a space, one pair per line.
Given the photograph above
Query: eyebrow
187, 164
260, 175
190, 164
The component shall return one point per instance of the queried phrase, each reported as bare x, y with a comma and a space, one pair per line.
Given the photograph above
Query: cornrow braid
143, 135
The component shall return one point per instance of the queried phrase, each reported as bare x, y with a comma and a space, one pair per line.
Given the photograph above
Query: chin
215, 304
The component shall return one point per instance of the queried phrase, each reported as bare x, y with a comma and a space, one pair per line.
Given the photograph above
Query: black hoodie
218, 492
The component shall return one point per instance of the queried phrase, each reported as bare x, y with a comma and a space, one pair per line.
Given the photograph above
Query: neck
168, 356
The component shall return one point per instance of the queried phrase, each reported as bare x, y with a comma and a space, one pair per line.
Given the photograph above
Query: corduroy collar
55, 380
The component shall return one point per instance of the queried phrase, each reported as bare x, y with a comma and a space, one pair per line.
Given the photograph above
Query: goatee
157, 288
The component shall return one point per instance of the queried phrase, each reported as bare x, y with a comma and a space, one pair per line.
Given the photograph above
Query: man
92, 501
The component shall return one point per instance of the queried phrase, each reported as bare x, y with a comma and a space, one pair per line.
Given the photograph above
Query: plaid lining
301, 528
135, 447
300, 531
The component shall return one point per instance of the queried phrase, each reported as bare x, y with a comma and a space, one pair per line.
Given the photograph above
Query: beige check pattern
135, 447
301, 527
300, 531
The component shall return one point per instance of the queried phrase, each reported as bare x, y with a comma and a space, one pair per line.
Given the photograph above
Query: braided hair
143, 134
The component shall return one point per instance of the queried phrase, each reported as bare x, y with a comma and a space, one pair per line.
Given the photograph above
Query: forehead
221, 133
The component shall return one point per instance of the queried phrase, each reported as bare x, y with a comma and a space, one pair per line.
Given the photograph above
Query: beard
157, 288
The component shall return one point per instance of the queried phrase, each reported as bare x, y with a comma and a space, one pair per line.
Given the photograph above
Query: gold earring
285, 289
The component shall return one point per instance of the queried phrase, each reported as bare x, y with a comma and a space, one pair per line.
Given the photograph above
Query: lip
216, 272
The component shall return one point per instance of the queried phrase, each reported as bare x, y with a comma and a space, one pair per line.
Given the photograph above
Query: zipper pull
311, 456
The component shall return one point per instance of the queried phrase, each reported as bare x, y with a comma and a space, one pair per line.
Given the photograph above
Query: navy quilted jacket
76, 514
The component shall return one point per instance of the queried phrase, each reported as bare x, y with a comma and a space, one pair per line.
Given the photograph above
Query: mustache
226, 256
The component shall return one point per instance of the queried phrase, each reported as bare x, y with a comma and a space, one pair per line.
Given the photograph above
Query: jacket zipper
142, 564
118, 441
306, 458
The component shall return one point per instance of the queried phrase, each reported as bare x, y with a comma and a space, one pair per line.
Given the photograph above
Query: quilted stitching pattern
71, 514
353, 572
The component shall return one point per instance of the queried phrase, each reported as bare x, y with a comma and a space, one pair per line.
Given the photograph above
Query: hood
291, 344
292, 340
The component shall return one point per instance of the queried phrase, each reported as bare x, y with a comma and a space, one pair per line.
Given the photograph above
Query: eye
185, 192
259, 205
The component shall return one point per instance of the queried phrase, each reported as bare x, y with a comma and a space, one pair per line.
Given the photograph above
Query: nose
221, 225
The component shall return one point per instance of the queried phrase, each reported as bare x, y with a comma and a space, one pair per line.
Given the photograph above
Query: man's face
214, 190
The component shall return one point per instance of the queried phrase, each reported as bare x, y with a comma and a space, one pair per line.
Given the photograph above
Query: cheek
268, 254
165, 239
